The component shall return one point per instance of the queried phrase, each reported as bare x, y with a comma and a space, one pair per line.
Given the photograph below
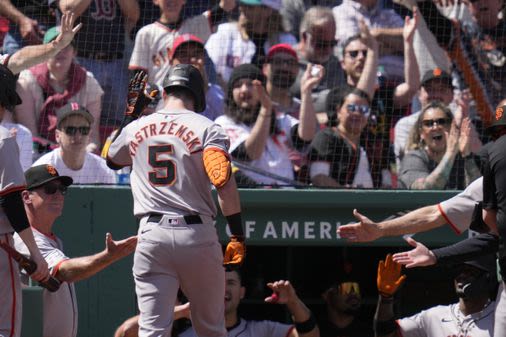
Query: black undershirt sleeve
482, 244
15, 210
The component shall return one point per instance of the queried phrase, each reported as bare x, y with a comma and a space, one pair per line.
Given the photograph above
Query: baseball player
175, 153
12, 216
473, 315
43, 201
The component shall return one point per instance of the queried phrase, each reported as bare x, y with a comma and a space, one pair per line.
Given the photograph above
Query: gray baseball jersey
252, 329
11, 180
165, 151
60, 307
168, 177
448, 321
458, 211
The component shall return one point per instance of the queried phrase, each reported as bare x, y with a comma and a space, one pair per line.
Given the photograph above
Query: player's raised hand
235, 252
364, 231
119, 249
139, 95
68, 31
283, 292
420, 256
389, 277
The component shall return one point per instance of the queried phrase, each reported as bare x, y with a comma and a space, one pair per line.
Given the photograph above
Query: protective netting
352, 94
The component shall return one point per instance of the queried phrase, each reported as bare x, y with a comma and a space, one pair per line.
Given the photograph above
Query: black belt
189, 219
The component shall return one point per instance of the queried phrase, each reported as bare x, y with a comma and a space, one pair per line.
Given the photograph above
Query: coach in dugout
43, 199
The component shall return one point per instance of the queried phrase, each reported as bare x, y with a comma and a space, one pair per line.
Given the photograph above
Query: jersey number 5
164, 172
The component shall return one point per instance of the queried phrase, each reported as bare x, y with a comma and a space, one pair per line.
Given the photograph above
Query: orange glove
235, 252
389, 277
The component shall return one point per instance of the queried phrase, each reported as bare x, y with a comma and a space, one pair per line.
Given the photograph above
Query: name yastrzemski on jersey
165, 128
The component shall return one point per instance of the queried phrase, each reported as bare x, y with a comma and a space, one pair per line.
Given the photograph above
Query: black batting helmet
8, 96
187, 77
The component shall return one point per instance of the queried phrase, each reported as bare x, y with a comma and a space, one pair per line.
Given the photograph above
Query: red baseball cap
182, 39
281, 48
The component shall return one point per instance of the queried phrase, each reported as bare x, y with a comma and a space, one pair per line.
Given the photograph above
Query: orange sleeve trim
452, 225
12, 189
57, 267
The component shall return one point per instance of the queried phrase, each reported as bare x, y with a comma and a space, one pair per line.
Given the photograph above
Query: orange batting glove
235, 252
389, 277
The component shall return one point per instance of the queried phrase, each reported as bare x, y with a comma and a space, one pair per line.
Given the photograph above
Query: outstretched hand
364, 231
420, 256
119, 249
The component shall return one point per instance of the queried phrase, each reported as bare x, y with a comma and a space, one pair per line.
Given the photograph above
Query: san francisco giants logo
51, 170
498, 113
104, 10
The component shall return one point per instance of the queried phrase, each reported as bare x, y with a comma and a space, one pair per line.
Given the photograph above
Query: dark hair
414, 139
336, 98
342, 46
238, 271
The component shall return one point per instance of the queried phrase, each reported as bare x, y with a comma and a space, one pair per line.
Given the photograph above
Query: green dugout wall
274, 218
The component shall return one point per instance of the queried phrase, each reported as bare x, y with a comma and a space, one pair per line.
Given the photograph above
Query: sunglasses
347, 288
72, 130
323, 44
428, 123
363, 109
51, 189
354, 53
283, 62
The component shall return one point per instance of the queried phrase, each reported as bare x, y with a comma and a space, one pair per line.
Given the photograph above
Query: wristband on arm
235, 224
306, 326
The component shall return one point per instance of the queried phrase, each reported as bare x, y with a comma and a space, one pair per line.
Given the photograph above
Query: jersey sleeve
270, 328
413, 326
118, 152
11, 174
458, 211
217, 138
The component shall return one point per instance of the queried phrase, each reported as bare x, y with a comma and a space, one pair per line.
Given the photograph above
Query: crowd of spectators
335, 94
